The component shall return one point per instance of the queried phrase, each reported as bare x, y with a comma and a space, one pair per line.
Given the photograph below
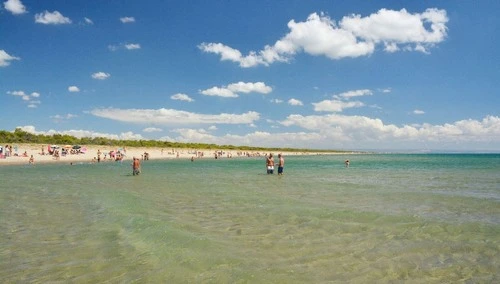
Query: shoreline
154, 153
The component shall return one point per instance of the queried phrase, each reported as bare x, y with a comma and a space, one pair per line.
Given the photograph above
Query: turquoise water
400, 218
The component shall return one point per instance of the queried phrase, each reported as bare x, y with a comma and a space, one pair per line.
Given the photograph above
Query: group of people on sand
270, 164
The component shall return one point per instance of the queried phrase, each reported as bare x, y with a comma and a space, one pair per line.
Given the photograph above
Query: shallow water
412, 218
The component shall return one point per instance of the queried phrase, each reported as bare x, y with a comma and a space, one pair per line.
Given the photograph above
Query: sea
388, 218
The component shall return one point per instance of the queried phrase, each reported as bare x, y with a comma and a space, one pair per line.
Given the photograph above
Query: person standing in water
270, 164
347, 163
136, 166
281, 164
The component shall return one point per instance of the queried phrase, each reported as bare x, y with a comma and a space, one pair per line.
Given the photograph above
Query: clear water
399, 218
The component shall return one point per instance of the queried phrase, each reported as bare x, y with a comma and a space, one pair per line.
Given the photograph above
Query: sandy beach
21, 154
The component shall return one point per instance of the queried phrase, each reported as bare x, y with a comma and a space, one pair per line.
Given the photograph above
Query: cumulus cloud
232, 90
73, 89
242, 87
181, 97
15, 7
124, 46
336, 105
101, 75
88, 21
295, 102
51, 18
261, 138
365, 130
5, 58
219, 92
152, 129
60, 118
353, 36
31, 99
132, 46
173, 117
355, 93
341, 101
83, 133
126, 20
417, 111
335, 131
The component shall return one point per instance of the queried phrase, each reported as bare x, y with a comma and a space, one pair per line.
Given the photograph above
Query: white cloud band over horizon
330, 132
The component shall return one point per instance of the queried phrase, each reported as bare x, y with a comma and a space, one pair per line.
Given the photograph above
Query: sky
340, 75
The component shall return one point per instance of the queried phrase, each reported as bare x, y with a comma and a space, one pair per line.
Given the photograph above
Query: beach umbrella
54, 146
83, 150
68, 146
76, 147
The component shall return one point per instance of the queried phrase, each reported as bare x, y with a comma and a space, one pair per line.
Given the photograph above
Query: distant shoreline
154, 153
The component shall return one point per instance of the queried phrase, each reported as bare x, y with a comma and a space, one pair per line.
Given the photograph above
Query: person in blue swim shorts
281, 164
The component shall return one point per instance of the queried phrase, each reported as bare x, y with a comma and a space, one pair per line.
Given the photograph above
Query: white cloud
60, 118
338, 132
181, 97
364, 131
54, 18
231, 54
399, 27
231, 90
152, 129
5, 58
356, 93
260, 138
127, 46
212, 128
127, 20
353, 36
242, 87
101, 75
295, 102
88, 21
132, 46
336, 105
173, 117
14, 6
277, 101
219, 92
83, 133
417, 111
30, 99
73, 89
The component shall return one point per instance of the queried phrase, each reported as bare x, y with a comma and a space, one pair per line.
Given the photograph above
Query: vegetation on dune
20, 136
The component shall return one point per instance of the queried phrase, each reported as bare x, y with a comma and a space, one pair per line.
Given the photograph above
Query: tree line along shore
22, 137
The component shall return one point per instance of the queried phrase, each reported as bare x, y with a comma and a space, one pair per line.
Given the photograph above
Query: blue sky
354, 75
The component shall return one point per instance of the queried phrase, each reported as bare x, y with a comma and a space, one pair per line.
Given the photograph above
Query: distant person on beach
136, 165
347, 163
281, 164
270, 164
32, 160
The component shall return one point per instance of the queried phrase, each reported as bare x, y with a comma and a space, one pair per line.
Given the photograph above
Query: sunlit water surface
412, 218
